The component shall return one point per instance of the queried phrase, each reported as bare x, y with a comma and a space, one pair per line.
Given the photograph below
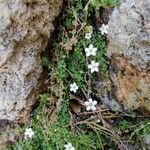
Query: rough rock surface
25, 27
129, 52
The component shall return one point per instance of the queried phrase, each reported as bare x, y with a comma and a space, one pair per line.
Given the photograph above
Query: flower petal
90, 100
106, 32
74, 84
95, 49
86, 49
88, 54
72, 148
92, 70
69, 144
97, 64
103, 25
106, 26
74, 90
88, 108
89, 66
86, 103
102, 32
93, 108
94, 102
66, 146
96, 69
90, 46
93, 53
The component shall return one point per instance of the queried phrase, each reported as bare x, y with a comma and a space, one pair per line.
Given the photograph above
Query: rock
25, 27
129, 52
147, 141
111, 103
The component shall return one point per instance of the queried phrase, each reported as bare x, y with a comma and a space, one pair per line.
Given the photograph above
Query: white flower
90, 50
29, 133
104, 29
69, 147
90, 104
74, 87
93, 66
98, 121
88, 35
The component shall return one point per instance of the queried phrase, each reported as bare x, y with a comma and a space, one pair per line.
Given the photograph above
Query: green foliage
76, 65
61, 72
96, 4
99, 42
63, 115
69, 19
142, 130
136, 130
70, 67
50, 136
46, 63
75, 6
43, 99
123, 125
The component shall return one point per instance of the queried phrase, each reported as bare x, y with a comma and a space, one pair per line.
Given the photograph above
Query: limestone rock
129, 52
25, 27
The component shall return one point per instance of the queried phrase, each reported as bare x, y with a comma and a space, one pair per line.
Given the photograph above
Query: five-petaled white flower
69, 147
90, 104
104, 29
88, 35
29, 133
93, 66
74, 87
90, 50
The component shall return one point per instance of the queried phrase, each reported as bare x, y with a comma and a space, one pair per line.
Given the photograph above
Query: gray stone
25, 27
129, 52
129, 32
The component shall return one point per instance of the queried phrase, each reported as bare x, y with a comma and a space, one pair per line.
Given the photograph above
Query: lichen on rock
131, 86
